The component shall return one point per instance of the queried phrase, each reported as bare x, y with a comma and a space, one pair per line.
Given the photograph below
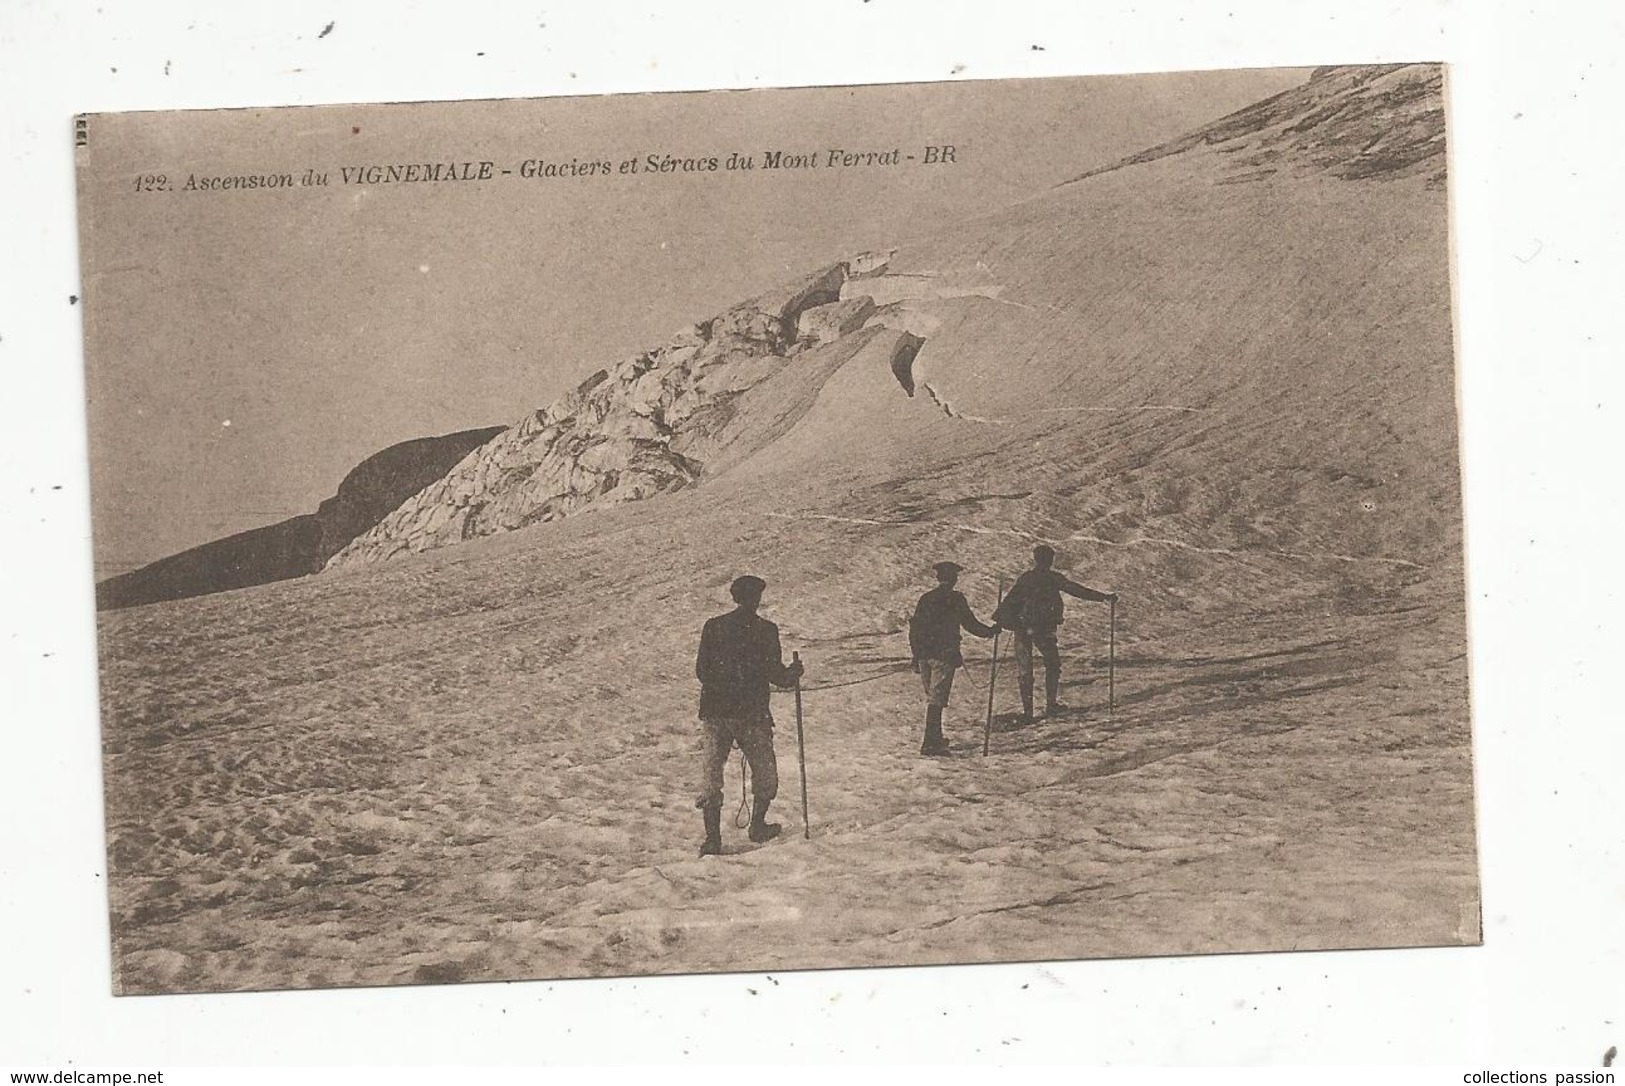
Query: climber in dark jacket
1033, 610
739, 658
933, 641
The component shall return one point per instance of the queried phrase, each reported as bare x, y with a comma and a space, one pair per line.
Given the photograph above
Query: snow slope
1226, 396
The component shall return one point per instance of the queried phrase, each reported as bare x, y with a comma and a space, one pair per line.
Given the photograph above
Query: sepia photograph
888, 525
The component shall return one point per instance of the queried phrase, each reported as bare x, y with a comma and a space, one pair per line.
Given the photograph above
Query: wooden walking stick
1111, 665
992, 673
801, 752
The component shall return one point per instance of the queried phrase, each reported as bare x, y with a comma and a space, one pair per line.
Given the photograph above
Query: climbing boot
1026, 705
760, 828
934, 742
1052, 694
712, 845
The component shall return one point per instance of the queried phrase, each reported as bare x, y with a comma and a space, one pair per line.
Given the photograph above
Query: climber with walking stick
933, 642
739, 660
1033, 611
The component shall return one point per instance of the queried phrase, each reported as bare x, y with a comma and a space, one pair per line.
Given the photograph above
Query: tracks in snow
1142, 541
953, 412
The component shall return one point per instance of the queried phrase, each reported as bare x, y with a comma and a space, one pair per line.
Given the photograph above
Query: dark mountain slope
300, 545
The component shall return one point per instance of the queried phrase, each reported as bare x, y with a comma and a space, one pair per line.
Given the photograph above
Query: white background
1535, 96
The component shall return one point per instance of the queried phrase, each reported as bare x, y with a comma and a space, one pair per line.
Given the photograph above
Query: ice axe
801, 750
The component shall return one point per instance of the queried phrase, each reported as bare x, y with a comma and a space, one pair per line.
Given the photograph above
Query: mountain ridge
300, 545
1350, 122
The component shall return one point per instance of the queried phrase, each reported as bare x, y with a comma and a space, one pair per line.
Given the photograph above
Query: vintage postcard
779, 529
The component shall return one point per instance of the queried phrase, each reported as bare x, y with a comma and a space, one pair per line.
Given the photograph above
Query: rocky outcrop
827, 323
302, 544
872, 262
1354, 122
629, 432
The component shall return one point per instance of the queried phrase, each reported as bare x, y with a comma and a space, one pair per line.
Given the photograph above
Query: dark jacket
739, 657
933, 632
1034, 601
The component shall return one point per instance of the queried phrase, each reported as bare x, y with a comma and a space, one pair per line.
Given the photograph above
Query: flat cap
747, 586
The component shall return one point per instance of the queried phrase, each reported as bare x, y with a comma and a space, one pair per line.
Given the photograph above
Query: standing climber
933, 640
739, 656
1033, 610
